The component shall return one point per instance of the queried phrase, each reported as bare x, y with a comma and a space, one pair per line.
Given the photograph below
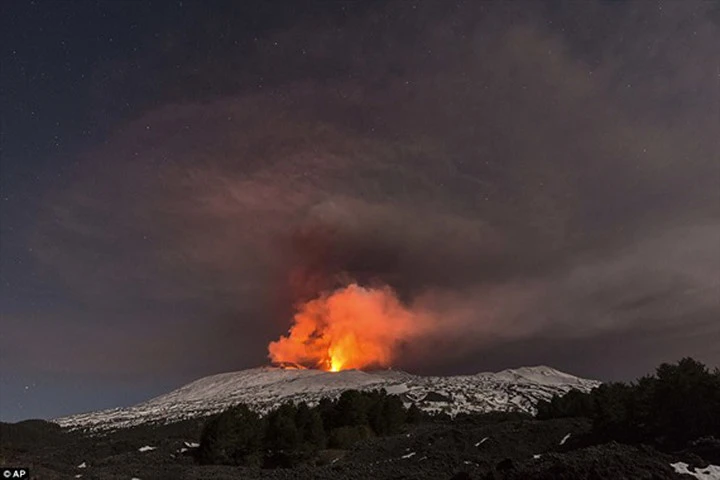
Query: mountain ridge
266, 387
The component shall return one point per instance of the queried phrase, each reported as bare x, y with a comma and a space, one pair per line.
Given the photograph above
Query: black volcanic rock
436, 397
482, 447
612, 460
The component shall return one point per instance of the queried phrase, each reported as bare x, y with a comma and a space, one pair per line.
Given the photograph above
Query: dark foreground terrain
473, 448
616, 431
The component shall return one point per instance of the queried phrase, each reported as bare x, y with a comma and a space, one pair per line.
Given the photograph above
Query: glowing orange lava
352, 327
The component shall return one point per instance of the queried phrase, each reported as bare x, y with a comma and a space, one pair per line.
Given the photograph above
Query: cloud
521, 181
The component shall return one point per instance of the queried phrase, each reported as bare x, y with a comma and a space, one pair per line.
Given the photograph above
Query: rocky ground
472, 449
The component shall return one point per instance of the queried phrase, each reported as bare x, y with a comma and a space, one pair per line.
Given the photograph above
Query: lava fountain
351, 327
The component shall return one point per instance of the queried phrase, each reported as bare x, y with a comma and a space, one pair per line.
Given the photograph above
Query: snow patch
146, 448
82, 465
565, 439
482, 441
396, 389
711, 472
411, 454
536, 456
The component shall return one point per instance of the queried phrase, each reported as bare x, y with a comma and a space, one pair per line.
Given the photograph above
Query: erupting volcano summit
353, 327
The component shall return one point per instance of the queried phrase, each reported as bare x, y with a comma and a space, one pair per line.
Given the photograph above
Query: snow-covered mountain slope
267, 387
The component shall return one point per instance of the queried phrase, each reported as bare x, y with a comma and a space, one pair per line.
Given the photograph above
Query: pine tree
414, 414
394, 414
310, 427
282, 432
314, 433
234, 438
352, 408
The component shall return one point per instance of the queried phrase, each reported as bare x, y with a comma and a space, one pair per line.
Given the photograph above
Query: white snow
82, 465
79, 475
411, 454
536, 456
565, 439
267, 387
711, 472
146, 448
191, 444
482, 441
396, 389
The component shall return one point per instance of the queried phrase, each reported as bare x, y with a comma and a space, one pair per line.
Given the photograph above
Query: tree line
292, 433
676, 405
679, 403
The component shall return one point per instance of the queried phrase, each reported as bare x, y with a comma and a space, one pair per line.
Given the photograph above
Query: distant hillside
265, 388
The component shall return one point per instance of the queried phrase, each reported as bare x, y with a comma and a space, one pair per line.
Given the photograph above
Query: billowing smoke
506, 184
351, 327
344, 258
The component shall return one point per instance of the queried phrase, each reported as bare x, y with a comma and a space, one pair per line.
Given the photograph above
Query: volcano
265, 388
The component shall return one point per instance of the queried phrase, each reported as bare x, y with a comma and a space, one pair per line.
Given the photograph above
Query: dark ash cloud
536, 187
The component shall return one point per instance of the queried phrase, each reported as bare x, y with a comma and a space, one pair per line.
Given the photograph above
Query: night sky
177, 175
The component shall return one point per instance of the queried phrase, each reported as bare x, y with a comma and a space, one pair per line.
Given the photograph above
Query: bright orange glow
352, 327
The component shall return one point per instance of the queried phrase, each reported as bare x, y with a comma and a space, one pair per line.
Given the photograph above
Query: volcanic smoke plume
352, 327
